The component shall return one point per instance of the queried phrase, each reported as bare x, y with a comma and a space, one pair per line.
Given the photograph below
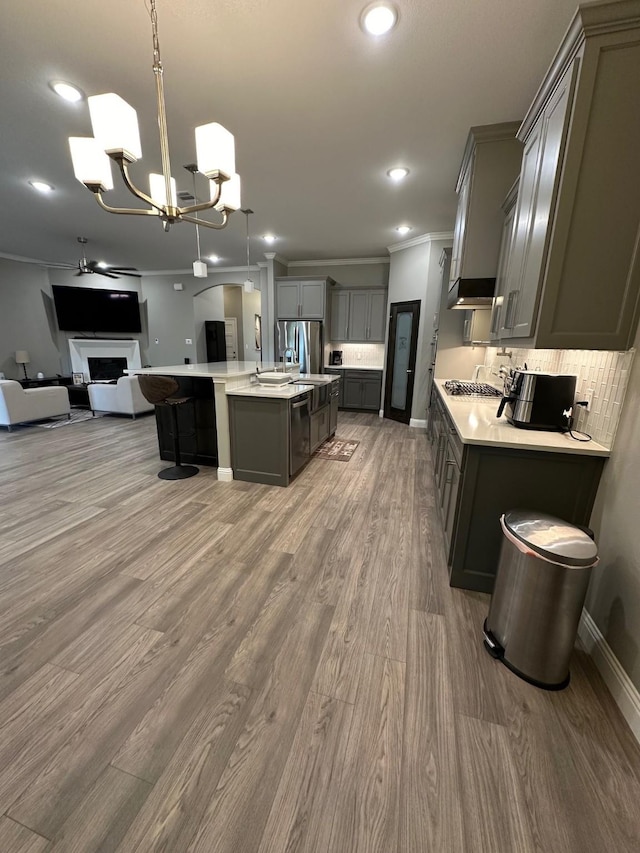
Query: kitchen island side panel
496, 480
259, 429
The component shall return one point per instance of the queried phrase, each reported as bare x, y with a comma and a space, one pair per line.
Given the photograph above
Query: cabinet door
312, 295
352, 393
506, 248
288, 305
323, 424
371, 393
339, 315
550, 134
461, 220
377, 315
358, 315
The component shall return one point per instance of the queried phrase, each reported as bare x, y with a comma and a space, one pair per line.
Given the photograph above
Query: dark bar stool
159, 390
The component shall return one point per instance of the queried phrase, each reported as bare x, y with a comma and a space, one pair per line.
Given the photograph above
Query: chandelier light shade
158, 189
116, 136
115, 126
230, 194
215, 150
91, 165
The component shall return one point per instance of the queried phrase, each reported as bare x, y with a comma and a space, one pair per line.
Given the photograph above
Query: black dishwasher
299, 427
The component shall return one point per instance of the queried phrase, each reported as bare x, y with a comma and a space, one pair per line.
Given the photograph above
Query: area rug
337, 449
77, 416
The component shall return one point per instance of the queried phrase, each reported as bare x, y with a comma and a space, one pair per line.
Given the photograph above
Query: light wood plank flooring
225, 668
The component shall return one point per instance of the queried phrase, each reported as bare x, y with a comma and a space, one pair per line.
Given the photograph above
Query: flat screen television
91, 309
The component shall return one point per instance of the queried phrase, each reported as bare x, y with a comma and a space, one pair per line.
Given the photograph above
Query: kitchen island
204, 425
484, 466
275, 429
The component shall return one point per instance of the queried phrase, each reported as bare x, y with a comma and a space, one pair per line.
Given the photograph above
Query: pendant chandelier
116, 137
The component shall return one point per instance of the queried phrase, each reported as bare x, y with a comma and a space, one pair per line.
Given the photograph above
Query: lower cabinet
362, 389
260, 438
475, 484
319, 427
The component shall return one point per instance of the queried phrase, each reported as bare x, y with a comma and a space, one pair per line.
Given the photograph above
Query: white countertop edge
476, 423
352, 367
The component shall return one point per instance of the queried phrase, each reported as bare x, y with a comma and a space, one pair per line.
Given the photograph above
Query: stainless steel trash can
541, 583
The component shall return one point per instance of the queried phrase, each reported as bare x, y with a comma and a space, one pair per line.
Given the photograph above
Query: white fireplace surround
81, 349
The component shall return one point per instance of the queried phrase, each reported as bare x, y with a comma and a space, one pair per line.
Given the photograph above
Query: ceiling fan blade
105, 273
123, 271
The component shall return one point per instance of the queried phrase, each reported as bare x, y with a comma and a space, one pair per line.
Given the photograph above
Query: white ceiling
319, 111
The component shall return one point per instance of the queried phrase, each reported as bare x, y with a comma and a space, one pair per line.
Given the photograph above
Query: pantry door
401, 360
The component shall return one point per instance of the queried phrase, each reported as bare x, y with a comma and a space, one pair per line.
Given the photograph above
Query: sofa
123, 397
18, 406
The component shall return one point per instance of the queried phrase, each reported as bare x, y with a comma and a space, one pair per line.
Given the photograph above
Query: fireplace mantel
81, 349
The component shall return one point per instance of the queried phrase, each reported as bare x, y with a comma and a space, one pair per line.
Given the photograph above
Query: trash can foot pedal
492, 646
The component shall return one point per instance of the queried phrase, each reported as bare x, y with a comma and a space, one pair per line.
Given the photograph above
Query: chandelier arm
204, 205
133, 211
217, 226
124, 171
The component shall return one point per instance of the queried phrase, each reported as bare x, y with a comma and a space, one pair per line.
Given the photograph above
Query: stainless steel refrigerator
306, 339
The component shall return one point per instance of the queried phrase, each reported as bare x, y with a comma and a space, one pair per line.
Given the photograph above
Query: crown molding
274, 256
339, 262
424, 238
210, 270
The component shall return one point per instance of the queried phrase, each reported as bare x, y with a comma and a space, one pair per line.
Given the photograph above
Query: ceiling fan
86, 267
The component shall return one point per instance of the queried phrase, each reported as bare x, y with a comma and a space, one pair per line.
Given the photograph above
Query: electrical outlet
588, 398
188, 341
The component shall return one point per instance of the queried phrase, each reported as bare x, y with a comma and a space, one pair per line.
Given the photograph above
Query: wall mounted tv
90, 309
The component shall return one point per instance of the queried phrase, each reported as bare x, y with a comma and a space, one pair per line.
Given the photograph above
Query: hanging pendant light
116, 137
199, 266
248, 284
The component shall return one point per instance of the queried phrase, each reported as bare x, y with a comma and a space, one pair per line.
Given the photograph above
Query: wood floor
224, 668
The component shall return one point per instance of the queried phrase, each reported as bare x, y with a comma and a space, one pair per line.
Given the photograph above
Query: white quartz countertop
476, 423
213, 370
355, 366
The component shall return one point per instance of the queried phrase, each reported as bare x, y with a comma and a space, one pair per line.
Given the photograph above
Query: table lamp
22, 357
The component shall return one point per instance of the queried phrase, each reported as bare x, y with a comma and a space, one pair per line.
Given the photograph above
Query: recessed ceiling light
403, 229
398, 173
269, 238
67, 91
41, 186
214, 259
378, 18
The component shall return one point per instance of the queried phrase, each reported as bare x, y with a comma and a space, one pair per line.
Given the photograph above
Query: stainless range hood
471, 293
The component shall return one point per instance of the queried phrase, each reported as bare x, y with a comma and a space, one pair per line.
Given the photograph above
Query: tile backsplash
603, 373
367, 355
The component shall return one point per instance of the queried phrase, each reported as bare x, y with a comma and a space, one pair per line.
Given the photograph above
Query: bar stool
160, 391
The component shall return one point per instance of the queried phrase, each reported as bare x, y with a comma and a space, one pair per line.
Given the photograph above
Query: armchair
122, 398
18, 405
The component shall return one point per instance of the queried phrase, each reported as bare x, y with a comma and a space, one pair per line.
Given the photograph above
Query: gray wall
27, 316
614, 595
27, 320
347, 275
414, 273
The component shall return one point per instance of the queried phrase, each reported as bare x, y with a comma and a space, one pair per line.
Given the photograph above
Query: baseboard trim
418, 423
225, 475
381, 413
623, 690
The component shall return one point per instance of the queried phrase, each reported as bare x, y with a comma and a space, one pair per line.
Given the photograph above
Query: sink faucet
287, 352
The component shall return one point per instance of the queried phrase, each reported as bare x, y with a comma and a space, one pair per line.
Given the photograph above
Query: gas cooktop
460, 388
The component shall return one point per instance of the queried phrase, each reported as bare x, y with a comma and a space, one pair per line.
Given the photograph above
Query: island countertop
220, 370
283, 392
476, 423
